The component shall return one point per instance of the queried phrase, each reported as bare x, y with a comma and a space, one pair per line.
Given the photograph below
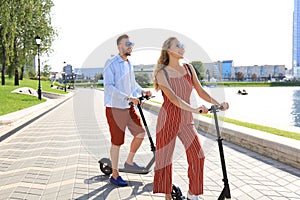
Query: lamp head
38, 40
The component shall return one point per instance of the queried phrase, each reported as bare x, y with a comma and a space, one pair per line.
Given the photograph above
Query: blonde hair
163, 60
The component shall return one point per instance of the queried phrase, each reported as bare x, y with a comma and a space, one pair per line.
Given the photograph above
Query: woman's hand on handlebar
202, 110
224, 105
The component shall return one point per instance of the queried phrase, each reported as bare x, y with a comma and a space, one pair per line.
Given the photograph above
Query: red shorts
119, 119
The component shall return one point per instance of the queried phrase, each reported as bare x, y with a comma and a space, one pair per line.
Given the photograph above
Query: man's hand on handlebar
147, 93
134, 101
137, 100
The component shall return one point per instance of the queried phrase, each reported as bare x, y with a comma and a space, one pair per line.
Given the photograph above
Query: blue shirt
119, 83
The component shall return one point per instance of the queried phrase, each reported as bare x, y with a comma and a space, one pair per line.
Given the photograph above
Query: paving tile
56, 157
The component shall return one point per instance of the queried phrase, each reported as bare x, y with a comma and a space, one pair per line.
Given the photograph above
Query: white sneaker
193, 197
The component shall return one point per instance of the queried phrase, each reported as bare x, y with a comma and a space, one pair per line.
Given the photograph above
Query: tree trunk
3, 68
3, 75
10, 71
22, 73
16, 62
16, 77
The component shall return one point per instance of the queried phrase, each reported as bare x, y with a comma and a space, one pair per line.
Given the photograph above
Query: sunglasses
128, 44
180, 45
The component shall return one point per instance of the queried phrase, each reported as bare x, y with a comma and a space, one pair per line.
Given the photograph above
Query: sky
249, 32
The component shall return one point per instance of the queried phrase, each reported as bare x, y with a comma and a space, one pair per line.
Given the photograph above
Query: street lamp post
38, 43
65, 75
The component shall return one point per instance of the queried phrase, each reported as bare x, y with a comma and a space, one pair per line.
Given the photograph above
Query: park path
56, 157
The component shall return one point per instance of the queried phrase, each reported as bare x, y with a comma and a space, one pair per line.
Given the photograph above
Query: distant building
87, 73
90, 73
68, 69
226, 71
55, 76
215, 71
296, 40
220, 70
260, 72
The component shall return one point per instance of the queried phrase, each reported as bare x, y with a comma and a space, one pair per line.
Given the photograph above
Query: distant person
175, 119
120, 88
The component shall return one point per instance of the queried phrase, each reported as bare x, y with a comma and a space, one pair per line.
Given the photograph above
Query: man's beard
127, 52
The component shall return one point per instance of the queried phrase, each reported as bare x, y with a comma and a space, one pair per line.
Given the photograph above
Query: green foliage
20, 23
46, 71
55, 83
99, 77
30, 72
254, 77
199, 68
36, 78
239, 76
142, 79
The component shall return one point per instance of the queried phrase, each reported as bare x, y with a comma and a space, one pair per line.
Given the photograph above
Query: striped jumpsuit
172, 122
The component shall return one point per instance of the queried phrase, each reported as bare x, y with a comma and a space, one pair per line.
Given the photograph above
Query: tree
254, 77
199, 68
142, 79
46, 71
98, 77
239, 76
20, 22
30, 72
6, 35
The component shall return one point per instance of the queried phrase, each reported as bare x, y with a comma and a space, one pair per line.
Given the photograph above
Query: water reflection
277, 107
296, 107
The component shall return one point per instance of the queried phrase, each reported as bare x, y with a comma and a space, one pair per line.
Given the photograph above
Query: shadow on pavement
104, 191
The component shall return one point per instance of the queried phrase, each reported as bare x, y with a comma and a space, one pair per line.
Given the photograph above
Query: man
120, 88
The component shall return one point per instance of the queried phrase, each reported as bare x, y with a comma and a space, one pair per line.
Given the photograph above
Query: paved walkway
56, 157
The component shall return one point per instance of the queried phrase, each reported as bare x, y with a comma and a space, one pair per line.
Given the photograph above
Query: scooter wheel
105, 166
176, 193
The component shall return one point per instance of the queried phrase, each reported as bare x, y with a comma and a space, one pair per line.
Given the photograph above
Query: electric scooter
225, 194
105, 163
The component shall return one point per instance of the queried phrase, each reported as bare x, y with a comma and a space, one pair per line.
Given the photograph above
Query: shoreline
253, 108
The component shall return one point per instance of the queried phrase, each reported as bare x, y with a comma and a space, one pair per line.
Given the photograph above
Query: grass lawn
11, 102
267, 129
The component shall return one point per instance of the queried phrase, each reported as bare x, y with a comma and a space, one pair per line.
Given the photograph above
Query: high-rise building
296, 40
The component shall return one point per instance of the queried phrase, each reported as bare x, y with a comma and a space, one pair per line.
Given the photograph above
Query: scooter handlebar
141, 98
216, 108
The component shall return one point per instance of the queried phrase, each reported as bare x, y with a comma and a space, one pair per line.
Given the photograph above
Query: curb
284, 150
13, 122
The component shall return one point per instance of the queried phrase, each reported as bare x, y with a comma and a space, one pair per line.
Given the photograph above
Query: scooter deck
134, 171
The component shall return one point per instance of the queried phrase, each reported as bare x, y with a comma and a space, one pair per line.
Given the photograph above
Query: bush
36, 78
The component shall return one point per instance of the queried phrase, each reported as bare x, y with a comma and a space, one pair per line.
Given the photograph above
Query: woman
175, 118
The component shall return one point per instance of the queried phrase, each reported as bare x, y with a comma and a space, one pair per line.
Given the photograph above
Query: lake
277, 107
